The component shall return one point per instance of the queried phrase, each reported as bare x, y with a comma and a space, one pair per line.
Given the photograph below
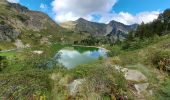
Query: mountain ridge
84, 26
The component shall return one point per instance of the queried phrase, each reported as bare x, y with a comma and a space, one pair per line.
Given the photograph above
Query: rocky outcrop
137, 81
7, 33
119, 30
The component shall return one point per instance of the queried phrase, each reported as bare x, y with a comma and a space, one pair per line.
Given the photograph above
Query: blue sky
125, 11
136, 6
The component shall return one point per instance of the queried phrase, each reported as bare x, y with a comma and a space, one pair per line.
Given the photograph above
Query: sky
103, 11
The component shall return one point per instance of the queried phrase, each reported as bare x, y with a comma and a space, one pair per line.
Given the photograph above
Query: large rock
134, 75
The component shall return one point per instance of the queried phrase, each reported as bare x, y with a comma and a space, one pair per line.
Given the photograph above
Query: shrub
104, 81
161, 59
115, 51
116, 60
2, 22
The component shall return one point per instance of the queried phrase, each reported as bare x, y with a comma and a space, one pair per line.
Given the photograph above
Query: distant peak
81, 19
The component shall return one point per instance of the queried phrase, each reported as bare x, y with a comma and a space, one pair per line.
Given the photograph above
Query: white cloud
66, 10
127, 18
13, 1
43, 6
72, 9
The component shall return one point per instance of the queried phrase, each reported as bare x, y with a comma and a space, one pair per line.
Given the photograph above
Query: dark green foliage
94, 40
115, 51
3, 62
2, 22
146, 33
22, 17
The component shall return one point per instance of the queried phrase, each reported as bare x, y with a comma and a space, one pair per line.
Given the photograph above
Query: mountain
83, 26
20, 26
31, 27
112, 29
119, 30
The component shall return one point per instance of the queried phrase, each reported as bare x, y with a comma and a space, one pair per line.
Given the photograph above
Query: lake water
73, 56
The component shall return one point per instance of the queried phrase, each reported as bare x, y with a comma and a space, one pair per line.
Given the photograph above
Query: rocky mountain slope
18, 22
112, 29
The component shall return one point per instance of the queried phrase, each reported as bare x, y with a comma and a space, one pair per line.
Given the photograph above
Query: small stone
118, 68
18, 43
124, 70
37, 52
74, 86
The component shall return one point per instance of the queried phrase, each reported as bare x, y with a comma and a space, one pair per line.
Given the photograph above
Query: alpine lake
72, 56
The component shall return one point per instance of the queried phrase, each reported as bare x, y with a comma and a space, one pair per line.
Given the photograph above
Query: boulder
134, 75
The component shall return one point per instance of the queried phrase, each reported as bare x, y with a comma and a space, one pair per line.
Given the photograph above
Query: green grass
8, 54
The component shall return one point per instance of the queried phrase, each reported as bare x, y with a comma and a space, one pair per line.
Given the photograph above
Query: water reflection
76, 56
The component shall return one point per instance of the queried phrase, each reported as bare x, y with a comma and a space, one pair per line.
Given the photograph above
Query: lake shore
99, 47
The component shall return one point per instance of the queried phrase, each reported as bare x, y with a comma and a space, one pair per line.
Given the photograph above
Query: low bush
102, 80
161, 59
2, 22
23, 17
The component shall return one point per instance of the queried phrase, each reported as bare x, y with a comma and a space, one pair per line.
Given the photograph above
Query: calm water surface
73, 56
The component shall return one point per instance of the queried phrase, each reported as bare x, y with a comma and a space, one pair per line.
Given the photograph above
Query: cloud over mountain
128, 19
66, 10
72, 9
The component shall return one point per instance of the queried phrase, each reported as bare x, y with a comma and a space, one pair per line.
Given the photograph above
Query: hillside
21, 27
